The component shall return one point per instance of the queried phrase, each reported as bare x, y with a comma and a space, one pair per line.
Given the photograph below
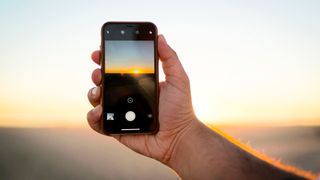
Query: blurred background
254, 69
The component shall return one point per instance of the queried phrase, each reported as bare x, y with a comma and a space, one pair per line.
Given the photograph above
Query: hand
176, 113
185, 144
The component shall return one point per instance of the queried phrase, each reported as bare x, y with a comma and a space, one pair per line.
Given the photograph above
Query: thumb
171, 64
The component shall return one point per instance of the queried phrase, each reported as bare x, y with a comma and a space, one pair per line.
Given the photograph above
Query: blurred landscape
250, 63
80, 153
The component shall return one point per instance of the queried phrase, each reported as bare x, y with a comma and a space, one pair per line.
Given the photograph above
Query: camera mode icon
130, 100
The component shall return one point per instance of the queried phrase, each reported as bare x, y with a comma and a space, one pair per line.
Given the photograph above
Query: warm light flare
135, 71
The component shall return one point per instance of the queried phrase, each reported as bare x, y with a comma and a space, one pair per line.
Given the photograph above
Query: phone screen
130, 78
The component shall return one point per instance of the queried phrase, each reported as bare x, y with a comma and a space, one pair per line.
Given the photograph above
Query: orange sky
251, 63
133, 70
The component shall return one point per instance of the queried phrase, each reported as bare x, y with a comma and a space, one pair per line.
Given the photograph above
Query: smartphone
130, 88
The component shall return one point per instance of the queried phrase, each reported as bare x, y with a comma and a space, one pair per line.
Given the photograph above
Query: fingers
94, 96
95, 56
166, 53
96, 76
94, 118
170, 61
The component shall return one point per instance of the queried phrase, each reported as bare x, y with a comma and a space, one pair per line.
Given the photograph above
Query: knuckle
89, 94
186, 79
89, 116
174, 53
95, 72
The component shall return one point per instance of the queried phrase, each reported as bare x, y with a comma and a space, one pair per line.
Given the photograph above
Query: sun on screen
136, 71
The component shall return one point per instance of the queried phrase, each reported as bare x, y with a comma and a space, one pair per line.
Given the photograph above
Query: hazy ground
52, 153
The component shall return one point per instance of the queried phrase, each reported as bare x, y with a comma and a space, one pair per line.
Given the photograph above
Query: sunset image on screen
129, 57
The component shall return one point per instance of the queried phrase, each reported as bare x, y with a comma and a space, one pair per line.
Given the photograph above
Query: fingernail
94, 92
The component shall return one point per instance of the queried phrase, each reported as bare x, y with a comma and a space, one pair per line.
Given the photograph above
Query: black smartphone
130, 88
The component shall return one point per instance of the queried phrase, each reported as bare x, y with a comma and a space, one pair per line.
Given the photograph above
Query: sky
249, 62
129, 56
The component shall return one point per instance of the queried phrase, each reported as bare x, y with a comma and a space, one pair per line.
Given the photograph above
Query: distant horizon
83, 124
129, 71
43, 153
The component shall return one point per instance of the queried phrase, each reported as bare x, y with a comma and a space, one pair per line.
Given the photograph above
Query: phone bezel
156, 59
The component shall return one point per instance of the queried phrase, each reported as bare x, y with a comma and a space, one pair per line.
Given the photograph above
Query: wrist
182, 150
198, 152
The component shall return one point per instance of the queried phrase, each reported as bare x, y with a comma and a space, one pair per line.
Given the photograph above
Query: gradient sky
249, 62
129, 56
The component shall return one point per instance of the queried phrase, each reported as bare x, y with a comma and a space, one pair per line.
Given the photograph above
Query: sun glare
136, 71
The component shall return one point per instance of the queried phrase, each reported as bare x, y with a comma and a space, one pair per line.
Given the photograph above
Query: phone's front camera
122, 31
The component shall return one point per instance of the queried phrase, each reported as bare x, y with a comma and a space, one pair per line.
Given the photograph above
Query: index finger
95, 56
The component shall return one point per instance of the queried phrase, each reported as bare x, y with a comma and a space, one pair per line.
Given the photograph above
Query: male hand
185, 144
176, 113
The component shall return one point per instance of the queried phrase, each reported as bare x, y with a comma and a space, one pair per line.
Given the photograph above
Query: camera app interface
129, 97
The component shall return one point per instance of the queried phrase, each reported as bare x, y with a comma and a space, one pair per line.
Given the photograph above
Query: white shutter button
130, 115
